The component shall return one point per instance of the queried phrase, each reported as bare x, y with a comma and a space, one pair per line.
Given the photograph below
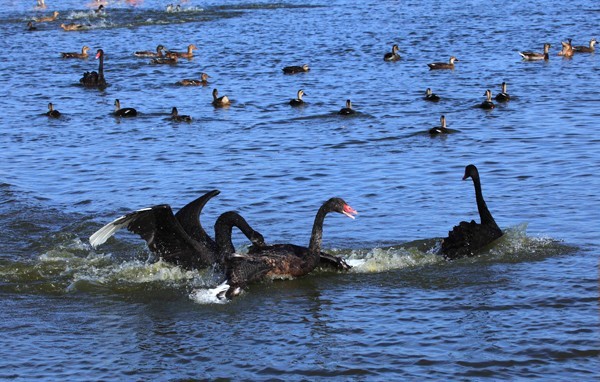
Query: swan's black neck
223, 232
101, 65
484, 214
316, 237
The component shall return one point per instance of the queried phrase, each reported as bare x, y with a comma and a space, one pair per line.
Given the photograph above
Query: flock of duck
179, 238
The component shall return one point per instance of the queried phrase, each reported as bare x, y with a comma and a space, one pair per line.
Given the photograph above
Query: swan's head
99, 53
471, 172
257, 239
339, 205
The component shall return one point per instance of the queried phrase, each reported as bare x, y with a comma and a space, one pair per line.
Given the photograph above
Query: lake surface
526, 308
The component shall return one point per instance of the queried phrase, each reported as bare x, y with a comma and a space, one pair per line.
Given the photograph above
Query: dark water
526, 308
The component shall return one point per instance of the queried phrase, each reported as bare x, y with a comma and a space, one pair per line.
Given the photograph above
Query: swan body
487, 104
281, 260
429, 96
441, 129
298, 101
503, 96
296, 69
393, 55
443, 65
125, 112
586, 49
179, 118
348, 110
150, 53
219, 101
467, 238
534, 56
83, 54
95, 79
52, 112
203, 81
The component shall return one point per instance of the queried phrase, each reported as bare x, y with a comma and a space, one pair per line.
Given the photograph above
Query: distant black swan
95, 79
178, 239
466, 239
282, 260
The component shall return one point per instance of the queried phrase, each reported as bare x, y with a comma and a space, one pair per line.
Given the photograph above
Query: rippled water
526, 308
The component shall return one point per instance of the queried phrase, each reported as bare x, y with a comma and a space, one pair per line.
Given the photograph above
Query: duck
586, 49
466, 239
179, 118
487, 104
203, 81
95, 79
72, 27
567, 49
125, 112
47, 18
429, 96
503, 96
348, 109
178, 238
169, 59
150, 53
219, 101
534, 56
100, 10
83, 53
441, 129
298, 101
188, 54
393, 55
443, 65
52, 112
296, 69
31, 27
281, 260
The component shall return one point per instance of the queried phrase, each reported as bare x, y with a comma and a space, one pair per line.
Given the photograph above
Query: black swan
503, 96
178, 239
466, 239
348, 109
125, 112
83, 53
175, 116
281, 260
429, 96
393, 55
219, 101
95, 79
487, 104
298, 101
296, 69
443, 65
51, 112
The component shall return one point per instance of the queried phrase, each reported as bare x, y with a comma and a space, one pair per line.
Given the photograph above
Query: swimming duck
443, 65
567, 49
100, 10
169, 59
126, 112
503, 96
466, 239
429, 96
219, 101
31, 27
83, 53
348, 109
393, 55
188, 54
179, 118
51, 112
203, 81
298, 101
439, 129
586, 49
149, 53
47, 18
296, 69
72, 27
534, 56
487, 104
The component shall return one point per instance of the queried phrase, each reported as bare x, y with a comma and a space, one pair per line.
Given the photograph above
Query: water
526, 308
